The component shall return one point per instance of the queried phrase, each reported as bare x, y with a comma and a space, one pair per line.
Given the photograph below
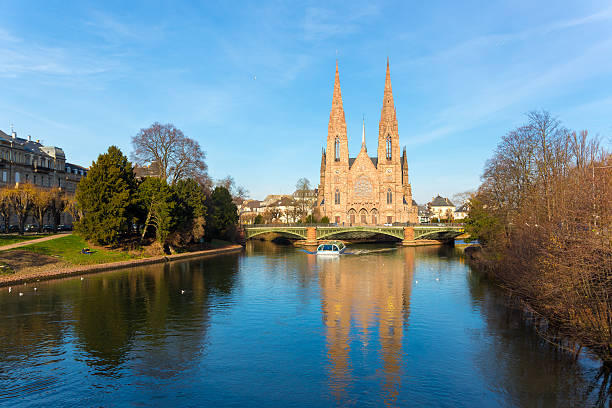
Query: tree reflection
145, 312
359, 293
529, 370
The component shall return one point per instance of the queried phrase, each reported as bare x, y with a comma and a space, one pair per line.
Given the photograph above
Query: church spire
337, 111
363, 143
388, 109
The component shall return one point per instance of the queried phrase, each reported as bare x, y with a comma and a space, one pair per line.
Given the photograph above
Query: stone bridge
312, 234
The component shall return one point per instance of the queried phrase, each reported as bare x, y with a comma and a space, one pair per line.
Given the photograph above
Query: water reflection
365, 303
153, 320
275, 326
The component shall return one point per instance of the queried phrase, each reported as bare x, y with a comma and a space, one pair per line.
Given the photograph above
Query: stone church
365, 190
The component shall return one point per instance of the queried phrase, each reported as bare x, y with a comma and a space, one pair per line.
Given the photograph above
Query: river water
274, 326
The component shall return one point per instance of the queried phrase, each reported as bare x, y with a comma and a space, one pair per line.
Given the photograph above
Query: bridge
311, 234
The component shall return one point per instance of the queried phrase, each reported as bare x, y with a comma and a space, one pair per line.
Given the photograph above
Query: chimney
29, 138
14, 134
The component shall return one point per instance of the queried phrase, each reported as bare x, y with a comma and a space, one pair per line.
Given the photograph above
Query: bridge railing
395, 224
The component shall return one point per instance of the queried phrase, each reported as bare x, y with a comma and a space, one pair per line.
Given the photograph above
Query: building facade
28, 161
365, 190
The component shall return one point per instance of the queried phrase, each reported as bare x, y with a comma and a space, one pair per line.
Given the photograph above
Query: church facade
365, 190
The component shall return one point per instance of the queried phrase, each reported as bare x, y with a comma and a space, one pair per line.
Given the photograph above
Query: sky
252, 82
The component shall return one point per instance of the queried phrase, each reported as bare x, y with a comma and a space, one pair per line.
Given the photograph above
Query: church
365, 190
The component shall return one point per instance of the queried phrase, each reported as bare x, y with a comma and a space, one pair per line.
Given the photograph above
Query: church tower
336, 155
391, 193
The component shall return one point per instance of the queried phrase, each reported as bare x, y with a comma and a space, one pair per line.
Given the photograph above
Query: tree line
177, 205
543, 215
28, 200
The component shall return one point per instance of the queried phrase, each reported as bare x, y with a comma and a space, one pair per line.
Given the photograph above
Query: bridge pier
409, 237
311, 236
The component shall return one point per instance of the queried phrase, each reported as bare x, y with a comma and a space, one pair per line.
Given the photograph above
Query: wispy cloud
323, 23
22, 58
476, 44
522, 89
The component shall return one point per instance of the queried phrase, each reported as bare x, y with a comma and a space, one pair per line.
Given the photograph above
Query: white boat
331, 248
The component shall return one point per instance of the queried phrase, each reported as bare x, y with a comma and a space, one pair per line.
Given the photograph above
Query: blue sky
253, 81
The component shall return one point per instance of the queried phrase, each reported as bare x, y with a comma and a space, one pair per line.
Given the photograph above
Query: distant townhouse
441, 208
462, 211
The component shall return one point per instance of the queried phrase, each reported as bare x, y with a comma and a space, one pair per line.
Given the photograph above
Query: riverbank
61, 271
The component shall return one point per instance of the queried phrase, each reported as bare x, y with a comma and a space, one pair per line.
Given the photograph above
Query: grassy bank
8, 239
69, 248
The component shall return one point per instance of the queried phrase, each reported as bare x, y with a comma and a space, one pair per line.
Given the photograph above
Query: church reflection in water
365, 302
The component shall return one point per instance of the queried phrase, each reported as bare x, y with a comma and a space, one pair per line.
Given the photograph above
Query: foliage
238, 193
324, 220
258, 219
157, 201
311, 219
107, 198
543, 214
221, 213
6, 210
21, 200
57, 205
41, 203
189, 213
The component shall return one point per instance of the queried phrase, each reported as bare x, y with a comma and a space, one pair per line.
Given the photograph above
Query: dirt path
32, 241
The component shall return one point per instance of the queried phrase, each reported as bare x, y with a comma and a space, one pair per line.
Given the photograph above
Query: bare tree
238, 193
302, 188
57, 205
22, 199
175, 155
6, 209
41, 201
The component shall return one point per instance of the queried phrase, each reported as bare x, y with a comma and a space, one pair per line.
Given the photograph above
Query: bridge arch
299, 233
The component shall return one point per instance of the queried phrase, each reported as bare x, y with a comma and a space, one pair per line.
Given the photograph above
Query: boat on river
331, 248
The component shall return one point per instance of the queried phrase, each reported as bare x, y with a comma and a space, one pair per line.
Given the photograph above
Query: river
274, 326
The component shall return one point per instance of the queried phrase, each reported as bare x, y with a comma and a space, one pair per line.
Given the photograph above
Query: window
4, 176
388, 147
389, 196
337, 197
337, 149
17, 178
363, 219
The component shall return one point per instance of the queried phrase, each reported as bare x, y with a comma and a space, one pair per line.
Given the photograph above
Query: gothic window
337, 197
337, 149
388, 147
389, 196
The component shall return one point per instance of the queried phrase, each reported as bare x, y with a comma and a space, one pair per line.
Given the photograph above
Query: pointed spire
363, 143
337, 122
388, 106
337, 110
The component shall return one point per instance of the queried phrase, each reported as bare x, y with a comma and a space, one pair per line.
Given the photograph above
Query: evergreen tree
107, 198
190, 212
222, 213
157, 201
